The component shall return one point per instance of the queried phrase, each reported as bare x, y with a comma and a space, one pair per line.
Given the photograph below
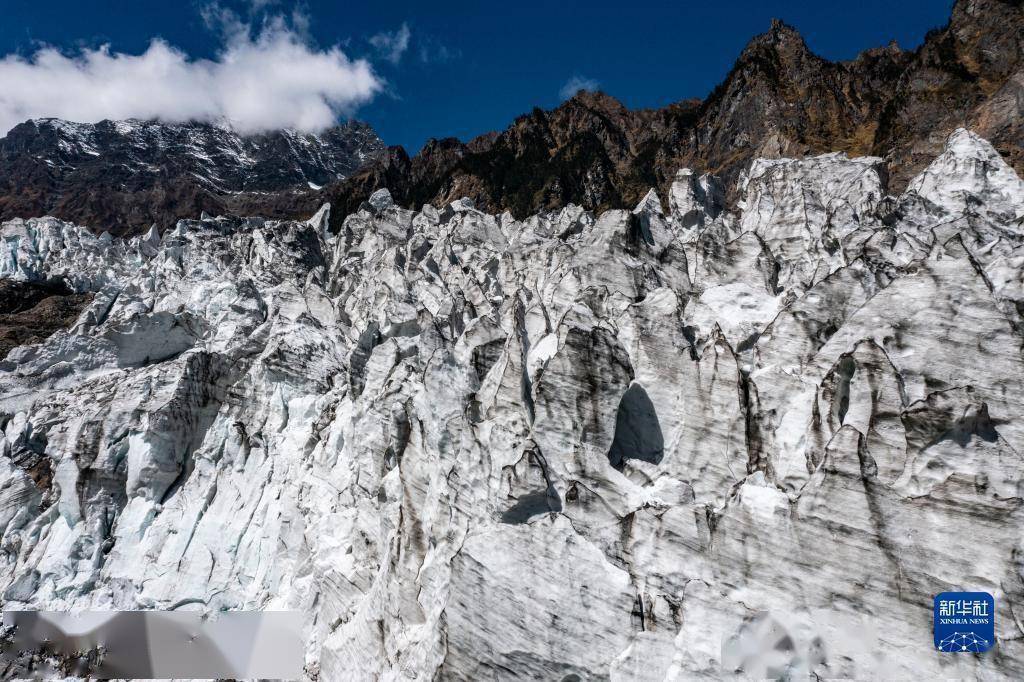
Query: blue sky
463, 68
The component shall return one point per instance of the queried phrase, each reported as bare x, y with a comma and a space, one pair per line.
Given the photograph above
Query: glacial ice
658, 444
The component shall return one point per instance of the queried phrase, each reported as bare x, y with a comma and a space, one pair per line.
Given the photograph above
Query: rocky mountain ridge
778, 100
670, 442
123, 176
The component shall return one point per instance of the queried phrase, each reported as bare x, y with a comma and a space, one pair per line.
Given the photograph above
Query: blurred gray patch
151, 645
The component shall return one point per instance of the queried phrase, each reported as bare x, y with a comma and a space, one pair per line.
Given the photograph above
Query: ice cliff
668, 443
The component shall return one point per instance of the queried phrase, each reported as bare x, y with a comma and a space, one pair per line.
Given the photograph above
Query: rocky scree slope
663, 443
123, 176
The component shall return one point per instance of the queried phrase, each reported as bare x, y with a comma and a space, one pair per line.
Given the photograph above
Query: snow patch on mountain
219, 157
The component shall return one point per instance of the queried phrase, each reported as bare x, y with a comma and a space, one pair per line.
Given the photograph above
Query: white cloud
575, 84
391, 45
274, 78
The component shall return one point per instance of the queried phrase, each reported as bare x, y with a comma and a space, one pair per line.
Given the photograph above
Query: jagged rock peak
779, 100
780, 37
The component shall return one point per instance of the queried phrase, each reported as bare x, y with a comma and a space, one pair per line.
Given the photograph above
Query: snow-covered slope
658, 444
214, 155
124, 176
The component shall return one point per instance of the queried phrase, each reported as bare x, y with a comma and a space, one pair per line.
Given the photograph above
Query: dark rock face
123, 176
778, 100
31, 311
969, 71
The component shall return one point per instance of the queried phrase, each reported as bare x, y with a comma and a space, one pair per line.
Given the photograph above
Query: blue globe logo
964, 642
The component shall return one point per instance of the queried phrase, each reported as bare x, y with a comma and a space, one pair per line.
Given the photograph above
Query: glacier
676, 442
